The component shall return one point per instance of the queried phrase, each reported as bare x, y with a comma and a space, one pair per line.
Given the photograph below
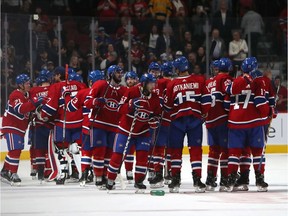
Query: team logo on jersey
143, 115
112, 104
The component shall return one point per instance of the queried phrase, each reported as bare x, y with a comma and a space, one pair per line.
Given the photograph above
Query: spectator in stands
198, 21
252, 24
165, 41
218, 48
41, 62
237, 49
124, 28
153, 38
75, 64
43, 19
188, 49
192, 61
179, 13
103, 40
223, 21
107, 14
140, 12
188, 39
26, 7
64, 56
160, 10
283, 26
53, 50
201, 59
124, 8
42, 41
281, 97
197, 70
27, 67
50, 66
110, 60
11, 6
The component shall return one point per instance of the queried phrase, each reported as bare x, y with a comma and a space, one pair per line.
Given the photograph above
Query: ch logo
143, 115
112, 105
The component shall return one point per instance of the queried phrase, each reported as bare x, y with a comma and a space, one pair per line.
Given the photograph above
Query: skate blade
262, 189
174, 190
230, 188
200, 190
15, 184
140, 191
209, 188
34, 178
130, 181
157, 185
102, 187
241, 188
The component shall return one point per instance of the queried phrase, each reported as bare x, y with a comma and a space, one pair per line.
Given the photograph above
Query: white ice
31, 198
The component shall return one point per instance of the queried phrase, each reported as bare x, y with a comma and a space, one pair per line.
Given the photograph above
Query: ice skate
110, 185
243, 182
262, 186
157, 181
5, 176
90, 177
15, 180
223, 183
151, 175
168, 178
33, 174
211, 182
175, 184
129, 176
83, 178
231, 181
40, 174
101, 182
140, 187
199, 186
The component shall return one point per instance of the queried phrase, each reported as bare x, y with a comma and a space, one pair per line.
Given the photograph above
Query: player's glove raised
99, 102
37, 101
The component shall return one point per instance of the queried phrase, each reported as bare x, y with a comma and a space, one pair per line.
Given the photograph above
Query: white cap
179, 53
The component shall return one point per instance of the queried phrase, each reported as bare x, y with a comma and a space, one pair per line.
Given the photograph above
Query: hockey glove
38, 114
99, 102
37, 101
273, 113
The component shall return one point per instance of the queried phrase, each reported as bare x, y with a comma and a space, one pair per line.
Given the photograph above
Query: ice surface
31, 198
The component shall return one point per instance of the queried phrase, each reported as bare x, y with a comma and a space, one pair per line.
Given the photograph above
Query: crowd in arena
152, 39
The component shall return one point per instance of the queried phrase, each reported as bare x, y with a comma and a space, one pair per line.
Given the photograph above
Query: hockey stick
65, 109
119, 176
155, 135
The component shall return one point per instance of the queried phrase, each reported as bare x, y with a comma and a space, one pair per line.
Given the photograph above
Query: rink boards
277, 142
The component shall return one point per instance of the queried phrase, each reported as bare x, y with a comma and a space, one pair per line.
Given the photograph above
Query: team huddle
86, 134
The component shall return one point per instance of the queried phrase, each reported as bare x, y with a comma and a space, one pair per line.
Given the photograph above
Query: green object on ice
157, 192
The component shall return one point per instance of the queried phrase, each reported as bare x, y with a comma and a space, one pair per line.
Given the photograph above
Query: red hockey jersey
41, 91
107, 117
77, 103
54, 108
161, 92
185, 97
16, 116
151, 107
217, 86
248, 105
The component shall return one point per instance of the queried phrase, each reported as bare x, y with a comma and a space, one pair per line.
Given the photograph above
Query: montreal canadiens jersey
107, 118
248, 105
150, 106
161, 92
54, 108
217, 86
16, 116
77, 103
41, 91
185, 97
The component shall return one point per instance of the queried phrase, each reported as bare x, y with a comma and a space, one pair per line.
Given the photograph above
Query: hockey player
216, 124
158, 151
249, 111
40, 130
103, 100
67, 129
87, 149
131, 80
154, 69
250, 66
14, 125
184, 99
138, 108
